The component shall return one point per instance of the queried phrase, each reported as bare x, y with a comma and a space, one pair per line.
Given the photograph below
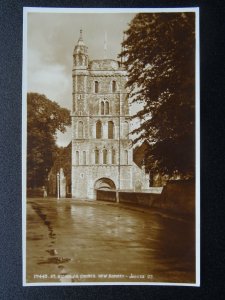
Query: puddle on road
117, 230
52, 252
43, 216
55, 260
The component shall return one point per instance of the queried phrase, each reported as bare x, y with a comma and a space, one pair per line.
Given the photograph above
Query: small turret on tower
80, 56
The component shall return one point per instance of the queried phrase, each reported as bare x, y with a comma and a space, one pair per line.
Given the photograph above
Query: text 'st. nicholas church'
102, 157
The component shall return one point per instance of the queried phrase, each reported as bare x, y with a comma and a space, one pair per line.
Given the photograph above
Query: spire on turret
80, 41
80, 53
81, 35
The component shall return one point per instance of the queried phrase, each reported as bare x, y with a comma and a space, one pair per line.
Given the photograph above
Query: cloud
49, 79
51, 39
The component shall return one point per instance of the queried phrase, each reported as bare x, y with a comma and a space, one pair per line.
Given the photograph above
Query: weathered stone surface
100, 123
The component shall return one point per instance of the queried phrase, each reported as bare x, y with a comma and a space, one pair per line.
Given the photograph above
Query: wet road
75, 241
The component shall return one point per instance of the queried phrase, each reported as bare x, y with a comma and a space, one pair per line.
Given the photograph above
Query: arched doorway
104, 184
105, 189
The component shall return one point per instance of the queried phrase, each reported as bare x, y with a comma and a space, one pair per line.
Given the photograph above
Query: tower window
102, 108
96, 156
113, 156
80, 130
80, 59
104, 156
106, 108
98, 130
113, 86
126, 157
77, 158
110, 130
125, 130
84, 158
96, 86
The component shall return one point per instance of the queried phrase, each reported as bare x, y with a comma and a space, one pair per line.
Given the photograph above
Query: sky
51, 38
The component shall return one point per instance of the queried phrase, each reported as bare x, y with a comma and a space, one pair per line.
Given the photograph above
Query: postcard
111, 153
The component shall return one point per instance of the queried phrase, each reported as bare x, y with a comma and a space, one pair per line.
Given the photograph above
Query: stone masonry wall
100, 122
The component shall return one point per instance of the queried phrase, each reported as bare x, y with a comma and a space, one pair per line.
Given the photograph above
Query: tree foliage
44, 119
159, 52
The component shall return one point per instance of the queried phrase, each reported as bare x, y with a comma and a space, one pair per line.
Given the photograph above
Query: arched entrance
104, 184
105, 189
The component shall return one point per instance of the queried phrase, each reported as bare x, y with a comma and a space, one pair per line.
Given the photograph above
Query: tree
159, 54
44, 119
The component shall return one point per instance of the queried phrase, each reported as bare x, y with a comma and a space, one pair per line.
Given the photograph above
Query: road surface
84, 241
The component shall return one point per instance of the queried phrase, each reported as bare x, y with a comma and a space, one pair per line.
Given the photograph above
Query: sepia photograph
111, 153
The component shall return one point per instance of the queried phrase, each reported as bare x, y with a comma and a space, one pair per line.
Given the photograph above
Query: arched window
125, 157
77, 158
96, 86
80, 130
104, 156
106, 108
80, 59
113, 86
98, 130
113, 156
110, 130
84, 158
96, 156
125, 129
102, 108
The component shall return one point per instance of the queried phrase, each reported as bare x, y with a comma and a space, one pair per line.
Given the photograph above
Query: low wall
177, 196
138, 198
106, 195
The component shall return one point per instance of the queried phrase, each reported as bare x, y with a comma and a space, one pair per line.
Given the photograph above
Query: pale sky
50, 44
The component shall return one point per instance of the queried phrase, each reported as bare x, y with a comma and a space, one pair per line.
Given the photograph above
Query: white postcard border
27, 10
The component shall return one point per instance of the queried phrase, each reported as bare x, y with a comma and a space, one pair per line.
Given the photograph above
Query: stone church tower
102, 157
